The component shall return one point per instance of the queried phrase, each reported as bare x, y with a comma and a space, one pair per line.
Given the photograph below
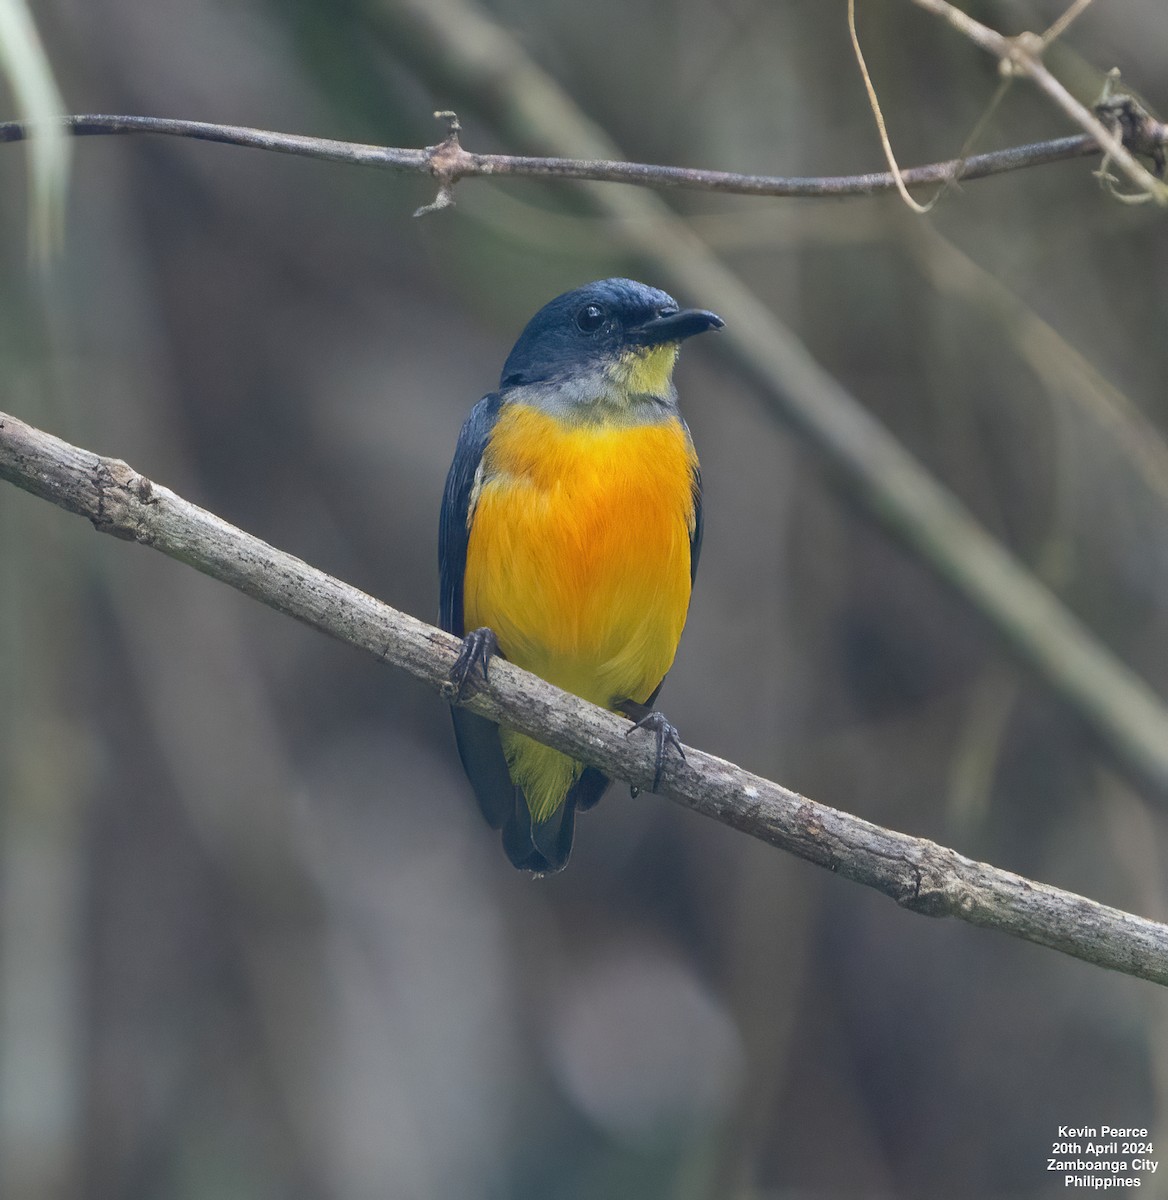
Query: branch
448, 162
918, 874
1022, 55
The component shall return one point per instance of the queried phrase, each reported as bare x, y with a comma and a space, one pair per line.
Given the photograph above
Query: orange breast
578, 556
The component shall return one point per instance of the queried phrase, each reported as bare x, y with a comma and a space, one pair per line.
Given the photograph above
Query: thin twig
918, 874
1059, 27
448, 162
1023, 55
885, 141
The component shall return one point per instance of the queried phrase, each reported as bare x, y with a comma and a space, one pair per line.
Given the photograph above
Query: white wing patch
476, 490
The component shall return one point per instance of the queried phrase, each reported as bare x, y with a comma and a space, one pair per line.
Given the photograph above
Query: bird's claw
478, 648
657, 723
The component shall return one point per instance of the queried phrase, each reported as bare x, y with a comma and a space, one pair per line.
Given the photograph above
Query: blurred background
255, 940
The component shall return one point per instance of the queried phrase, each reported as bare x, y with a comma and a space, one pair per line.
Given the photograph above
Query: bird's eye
590, 318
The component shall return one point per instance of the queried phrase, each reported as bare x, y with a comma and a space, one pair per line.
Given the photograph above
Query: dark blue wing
695, 538
477, 738
454, 524
532, 847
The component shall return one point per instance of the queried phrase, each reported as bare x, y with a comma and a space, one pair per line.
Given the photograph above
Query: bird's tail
536, 836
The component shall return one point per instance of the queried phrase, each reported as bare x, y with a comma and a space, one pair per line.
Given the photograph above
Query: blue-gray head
614, 339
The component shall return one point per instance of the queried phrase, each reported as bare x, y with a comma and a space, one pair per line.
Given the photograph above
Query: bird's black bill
675, 327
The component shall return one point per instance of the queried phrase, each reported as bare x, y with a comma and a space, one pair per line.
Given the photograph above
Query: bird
569, 535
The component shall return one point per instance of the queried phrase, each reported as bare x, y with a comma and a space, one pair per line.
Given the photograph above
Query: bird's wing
455, 520
695, 538
477, 738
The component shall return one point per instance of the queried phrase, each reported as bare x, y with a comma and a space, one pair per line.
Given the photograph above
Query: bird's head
611, 343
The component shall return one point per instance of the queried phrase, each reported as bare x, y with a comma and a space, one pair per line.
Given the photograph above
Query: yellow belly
578, 559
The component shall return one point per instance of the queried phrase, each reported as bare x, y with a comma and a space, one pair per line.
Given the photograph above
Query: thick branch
448, 162
916, 873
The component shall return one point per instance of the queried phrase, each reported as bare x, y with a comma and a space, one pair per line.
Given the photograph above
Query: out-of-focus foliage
29, 78
254, 940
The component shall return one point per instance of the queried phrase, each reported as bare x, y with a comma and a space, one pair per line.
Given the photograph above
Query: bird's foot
656, 722
478, 648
